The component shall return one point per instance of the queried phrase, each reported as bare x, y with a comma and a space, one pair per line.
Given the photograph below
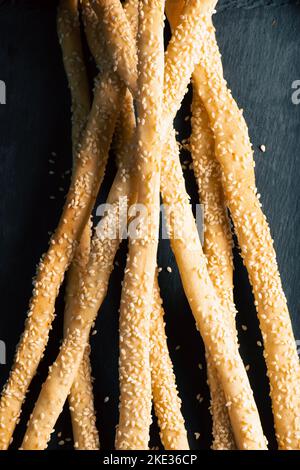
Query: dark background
260, 43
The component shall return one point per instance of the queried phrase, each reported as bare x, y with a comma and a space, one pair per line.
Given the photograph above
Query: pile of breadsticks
136, 95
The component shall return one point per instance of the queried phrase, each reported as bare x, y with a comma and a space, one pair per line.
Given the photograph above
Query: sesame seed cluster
137, 93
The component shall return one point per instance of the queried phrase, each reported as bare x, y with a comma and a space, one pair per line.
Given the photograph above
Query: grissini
172, 426
81, 400
235, 155
166, 400
167, 404
92, 291
36, 435
211, 317
210, 314
217, 248
217, 242
86, 179
137, 291
119, 38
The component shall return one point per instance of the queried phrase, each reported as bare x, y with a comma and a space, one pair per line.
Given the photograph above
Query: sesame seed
262, 148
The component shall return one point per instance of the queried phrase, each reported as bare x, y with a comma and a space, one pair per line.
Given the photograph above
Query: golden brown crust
235, 155
209, 313
137, 292
167, 404
88, 174
119, 39
187, 45
218, 251
217, 239
81, 400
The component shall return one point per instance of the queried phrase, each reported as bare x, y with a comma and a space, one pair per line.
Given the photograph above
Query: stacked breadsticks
137, 93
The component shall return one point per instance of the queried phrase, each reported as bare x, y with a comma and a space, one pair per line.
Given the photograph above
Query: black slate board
260, 46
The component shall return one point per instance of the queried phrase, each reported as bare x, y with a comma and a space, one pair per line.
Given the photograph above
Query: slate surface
260, 46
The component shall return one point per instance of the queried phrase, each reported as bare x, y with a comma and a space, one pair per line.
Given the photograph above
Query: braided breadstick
183, 51
81, 398
134, 362
235, 155
85, 183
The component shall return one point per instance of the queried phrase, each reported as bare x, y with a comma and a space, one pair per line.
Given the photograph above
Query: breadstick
183, 51
68, 29
217, 243
85, 183
92, 291
31, 439
167, 404
81, 400
172, 426
218, 250
119, 39
134, 363
75, 339
235, 155
250, 413
209, 312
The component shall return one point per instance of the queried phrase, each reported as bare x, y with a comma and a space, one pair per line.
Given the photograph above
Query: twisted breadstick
212, 318
167, 404
81, 398
85, 183
235, 155
218, 250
